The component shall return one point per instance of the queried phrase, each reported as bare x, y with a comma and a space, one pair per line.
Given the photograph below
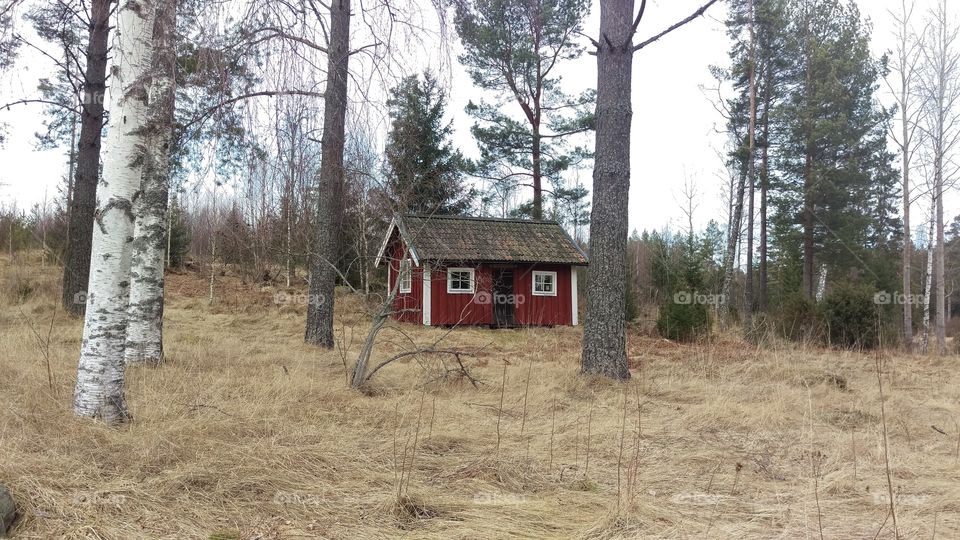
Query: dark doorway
504, 306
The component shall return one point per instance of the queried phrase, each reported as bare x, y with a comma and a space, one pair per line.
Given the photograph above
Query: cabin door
504, 306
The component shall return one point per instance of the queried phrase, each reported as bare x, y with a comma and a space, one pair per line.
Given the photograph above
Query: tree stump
8, 511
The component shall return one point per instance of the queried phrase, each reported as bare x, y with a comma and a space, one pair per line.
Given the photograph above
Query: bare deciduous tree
940, 90
903, 66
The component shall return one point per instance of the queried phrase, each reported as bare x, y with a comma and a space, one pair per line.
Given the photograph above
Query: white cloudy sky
675, 126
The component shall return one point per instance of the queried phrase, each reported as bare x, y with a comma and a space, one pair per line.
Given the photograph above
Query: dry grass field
247, 433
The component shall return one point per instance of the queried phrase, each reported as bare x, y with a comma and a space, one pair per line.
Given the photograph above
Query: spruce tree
425, 174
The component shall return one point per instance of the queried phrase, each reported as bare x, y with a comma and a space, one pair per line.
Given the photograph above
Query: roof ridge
481, 218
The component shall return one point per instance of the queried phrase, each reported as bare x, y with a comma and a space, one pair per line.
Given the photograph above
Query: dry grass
248, 433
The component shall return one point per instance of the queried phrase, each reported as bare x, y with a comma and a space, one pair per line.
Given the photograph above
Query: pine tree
513, 47
323, 273
425, 174
837, 185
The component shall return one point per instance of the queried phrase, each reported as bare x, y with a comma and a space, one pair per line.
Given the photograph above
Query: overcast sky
675, 126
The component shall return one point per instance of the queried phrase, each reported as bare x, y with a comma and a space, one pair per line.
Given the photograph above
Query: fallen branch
457, 354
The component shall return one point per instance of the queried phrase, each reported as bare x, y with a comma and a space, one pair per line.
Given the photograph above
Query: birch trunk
940, 321
323, 273
145, 327
99, 390
604, 333
83, 194
928, 286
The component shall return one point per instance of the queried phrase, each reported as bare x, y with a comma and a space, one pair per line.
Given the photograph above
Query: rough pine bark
764, 187
100, 375
145, 326
323, 274
733, 238
83, 192
751, 175
604, 334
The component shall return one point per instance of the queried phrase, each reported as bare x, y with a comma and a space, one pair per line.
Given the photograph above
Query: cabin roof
459, 238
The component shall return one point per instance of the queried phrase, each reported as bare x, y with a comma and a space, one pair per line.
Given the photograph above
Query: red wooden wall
451, 309
477, 309
406, 306
543, 310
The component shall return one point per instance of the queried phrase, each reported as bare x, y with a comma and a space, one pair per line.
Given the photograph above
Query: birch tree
145, 328
940, 87
100, 376
604, 335
903, 67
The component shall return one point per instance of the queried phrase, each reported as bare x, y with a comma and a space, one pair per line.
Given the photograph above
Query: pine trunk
99, 390
730, 255
537, 176
808, 184
764, 187
751, 177
604, 335
145, 327
808, 249
83, 194
323, 274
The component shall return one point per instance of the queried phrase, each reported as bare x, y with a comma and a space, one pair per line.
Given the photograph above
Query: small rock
8, 511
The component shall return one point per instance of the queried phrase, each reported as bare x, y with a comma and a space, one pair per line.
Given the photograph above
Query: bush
683, 322
850, 315
798, 318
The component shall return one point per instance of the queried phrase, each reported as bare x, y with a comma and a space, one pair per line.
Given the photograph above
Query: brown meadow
247, 433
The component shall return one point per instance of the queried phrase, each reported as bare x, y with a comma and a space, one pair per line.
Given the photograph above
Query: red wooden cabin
481, 271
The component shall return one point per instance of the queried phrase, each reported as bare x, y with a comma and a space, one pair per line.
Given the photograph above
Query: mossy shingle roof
454, 238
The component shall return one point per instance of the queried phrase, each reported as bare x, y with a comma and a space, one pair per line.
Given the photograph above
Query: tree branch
693, 16
265, 93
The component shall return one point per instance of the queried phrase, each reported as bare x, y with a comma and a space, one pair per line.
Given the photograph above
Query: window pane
460, 280
544, 283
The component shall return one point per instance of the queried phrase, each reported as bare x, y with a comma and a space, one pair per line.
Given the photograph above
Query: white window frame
553, 280
473, 281
406, 276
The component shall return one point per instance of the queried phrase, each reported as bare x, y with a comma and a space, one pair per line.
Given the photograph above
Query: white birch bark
99, 390
822, 283
145, 327
929, 280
